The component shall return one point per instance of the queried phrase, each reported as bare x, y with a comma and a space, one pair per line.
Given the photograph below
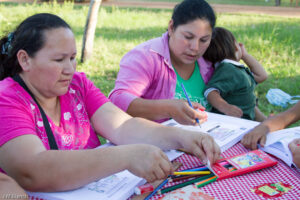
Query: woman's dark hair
190, 10
222, 46
29, 36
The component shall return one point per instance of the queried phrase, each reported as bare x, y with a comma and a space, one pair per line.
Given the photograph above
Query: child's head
222, 46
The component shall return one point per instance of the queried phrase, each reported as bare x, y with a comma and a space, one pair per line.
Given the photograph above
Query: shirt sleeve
225, 79
134, 78
16, 118
92, 96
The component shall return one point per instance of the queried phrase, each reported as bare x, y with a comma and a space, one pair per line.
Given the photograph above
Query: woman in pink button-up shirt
146, 82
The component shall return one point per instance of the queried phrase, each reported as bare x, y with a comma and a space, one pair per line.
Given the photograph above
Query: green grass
285, 3
274, 41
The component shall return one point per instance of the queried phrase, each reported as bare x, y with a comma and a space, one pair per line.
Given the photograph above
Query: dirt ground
219, 8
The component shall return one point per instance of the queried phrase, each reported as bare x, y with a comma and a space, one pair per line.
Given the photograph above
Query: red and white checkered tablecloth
239, 187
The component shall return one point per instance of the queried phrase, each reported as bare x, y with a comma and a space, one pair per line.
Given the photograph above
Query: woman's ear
23, 59
171, 27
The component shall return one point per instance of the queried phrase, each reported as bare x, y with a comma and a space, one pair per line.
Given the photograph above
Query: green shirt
194, 87
236, 85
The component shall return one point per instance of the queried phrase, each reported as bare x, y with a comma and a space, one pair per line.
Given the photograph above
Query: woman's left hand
201, 145
295, 149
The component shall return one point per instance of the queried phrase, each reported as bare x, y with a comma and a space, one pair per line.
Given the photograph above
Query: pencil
156, 189
174, 187
189, 101
191, 172
204, 168
205, 182
185, 177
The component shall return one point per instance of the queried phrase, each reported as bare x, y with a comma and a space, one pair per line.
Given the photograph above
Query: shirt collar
229, 61
161, 47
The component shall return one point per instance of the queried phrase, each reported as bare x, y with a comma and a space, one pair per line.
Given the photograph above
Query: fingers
211, 149
294, 145
163, 168
198, 106
205, 148
166, 165
196, 114
253, 143
262, 141
258, 135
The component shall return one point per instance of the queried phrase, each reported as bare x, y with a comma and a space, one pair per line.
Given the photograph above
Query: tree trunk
277, 2
89, 31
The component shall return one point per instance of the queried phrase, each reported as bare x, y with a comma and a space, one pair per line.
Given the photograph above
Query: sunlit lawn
274, 41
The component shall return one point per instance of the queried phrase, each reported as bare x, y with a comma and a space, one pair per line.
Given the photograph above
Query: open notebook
118, 186
277, 143
226, 130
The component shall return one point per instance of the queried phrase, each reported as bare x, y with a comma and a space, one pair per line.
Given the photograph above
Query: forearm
283, 119
215, 99
148, 133
64, 170
257, 69
149, 109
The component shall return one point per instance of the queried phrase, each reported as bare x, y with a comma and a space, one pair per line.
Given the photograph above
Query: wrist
166, 107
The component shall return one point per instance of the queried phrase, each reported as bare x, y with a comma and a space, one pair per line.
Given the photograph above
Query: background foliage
274, 41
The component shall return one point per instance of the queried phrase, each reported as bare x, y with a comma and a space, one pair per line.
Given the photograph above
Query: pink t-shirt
20, 115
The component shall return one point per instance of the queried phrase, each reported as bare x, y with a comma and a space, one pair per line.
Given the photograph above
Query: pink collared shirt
146, 72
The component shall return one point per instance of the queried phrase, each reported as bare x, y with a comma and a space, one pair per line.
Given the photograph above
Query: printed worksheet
226, 130
119, 186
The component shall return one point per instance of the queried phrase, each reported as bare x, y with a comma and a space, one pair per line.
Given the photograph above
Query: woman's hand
147, 161
181, 112
257, 135
201, 145
295, 149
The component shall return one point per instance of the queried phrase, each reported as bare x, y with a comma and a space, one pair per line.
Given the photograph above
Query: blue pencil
156, 189
189, 101
195, 169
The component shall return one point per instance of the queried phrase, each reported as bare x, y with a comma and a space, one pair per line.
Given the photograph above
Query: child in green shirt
231, 89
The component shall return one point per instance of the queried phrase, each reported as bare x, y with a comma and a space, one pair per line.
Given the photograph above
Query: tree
277, 2
89, 31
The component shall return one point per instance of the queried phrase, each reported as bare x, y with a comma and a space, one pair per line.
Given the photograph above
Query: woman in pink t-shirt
48, 110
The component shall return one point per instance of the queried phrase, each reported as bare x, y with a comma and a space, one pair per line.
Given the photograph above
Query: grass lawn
285, 3
274, 41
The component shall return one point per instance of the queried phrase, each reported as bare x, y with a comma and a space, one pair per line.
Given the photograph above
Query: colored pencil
185, 177
191, 172
180, 185
204, 168
205, 182
189, 102
156, 189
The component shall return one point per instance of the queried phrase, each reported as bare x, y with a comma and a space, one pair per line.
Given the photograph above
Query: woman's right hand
147, 161
181, 112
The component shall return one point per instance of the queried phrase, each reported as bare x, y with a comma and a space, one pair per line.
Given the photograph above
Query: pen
189, 101
191, 172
